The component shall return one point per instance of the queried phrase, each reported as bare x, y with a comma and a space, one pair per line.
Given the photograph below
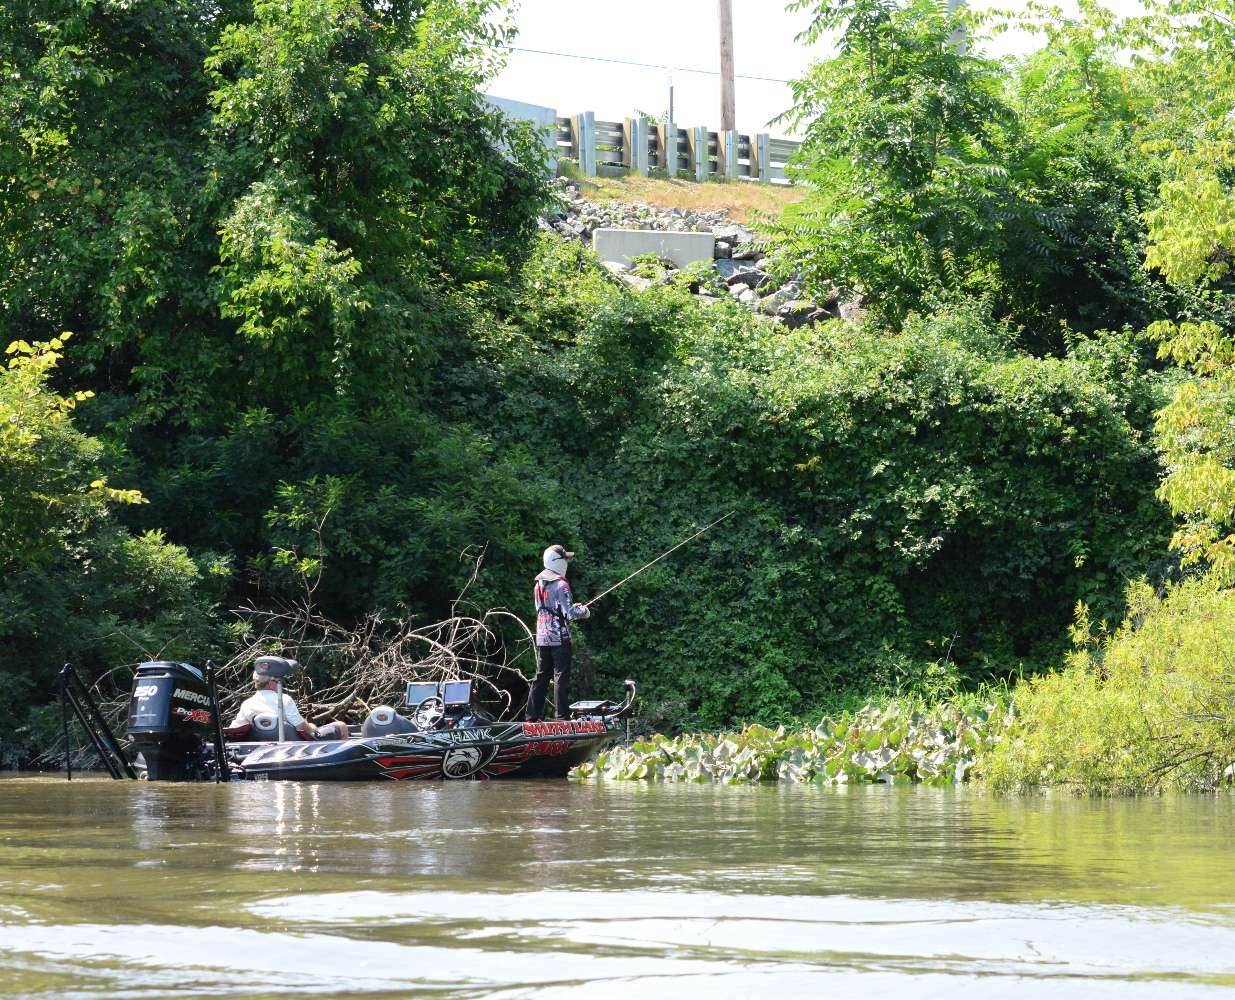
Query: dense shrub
76, 586
1149, 707
929, 496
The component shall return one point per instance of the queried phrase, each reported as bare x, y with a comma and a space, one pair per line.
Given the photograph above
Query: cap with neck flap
556, 558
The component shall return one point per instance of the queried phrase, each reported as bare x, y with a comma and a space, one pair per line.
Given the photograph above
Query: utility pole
727, 113
958, 39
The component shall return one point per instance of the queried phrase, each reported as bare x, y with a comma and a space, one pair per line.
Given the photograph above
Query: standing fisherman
555, 610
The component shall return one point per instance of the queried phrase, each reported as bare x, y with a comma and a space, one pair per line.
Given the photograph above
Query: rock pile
742, 269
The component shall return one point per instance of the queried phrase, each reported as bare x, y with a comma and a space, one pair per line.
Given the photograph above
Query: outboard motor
170, 720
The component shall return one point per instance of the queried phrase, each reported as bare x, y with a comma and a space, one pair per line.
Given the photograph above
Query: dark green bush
929, 496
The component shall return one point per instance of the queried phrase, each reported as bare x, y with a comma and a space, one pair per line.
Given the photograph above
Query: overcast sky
664, 34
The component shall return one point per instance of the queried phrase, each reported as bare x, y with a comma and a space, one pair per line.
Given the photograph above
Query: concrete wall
544, 119
620, 245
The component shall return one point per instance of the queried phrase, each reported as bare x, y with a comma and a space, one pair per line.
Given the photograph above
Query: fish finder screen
457, 692
418, 691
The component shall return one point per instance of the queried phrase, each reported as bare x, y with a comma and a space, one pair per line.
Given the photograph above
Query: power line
642, 65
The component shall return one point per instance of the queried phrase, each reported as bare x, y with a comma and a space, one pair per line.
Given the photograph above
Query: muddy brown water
549, 889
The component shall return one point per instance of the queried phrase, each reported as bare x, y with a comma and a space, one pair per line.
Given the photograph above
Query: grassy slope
744, 200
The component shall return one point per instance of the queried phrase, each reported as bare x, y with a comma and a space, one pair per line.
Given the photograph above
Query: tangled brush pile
347, 670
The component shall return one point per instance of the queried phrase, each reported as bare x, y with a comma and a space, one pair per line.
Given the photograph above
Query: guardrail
638, 146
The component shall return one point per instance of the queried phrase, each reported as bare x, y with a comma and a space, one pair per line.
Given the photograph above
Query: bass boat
175, 728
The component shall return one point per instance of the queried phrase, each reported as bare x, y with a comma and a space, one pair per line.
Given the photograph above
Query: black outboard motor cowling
170, 719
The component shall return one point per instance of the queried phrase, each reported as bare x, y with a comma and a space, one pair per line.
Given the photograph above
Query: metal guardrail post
583, 141
635, 145
761, 157
697, 139
589, 143
727, 153
667, 144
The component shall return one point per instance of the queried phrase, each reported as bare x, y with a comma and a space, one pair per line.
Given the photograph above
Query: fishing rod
667, 552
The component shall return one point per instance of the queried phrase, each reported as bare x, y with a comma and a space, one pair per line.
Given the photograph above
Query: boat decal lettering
194, 696
193, 714
563, 727
548, 748
467, 735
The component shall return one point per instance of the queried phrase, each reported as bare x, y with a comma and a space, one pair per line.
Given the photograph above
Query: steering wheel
429, 714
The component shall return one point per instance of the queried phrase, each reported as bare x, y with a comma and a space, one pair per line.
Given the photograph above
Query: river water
548, 889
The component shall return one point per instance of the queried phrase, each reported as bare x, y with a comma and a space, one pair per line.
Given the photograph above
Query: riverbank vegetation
903, 742
317, 335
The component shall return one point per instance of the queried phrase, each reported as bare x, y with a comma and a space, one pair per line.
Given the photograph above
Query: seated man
265, 701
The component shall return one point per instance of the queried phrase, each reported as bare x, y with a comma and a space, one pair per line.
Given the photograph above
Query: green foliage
901, 500
397, 509
1191, 235
48, 471
1150, 706
700, 276
650, 265
1191, 241
898, 744
1194, 433
936, 172
316, 325
75, 586
1147, 708
1193, 228
906, 140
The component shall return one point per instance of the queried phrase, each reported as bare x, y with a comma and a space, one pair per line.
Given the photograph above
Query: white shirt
267, 703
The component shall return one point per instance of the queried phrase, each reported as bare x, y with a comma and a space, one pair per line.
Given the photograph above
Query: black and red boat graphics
496, 750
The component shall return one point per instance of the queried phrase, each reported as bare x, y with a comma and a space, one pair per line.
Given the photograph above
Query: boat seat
385, 721
266, 730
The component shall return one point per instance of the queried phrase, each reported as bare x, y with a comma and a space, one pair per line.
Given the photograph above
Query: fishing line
649, 565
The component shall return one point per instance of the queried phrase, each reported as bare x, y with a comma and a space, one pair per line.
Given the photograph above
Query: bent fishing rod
667, 552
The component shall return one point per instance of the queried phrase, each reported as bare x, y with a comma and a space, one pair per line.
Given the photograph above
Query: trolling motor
606, 709
174, 722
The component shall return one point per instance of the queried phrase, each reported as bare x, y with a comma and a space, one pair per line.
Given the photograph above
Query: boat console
448, 705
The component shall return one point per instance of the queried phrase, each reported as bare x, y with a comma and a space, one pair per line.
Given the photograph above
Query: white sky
664, 33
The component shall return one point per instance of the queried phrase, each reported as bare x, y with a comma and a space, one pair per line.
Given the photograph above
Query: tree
936, 173
265, 219
905, 150
1192, 243
74, 585
48, 481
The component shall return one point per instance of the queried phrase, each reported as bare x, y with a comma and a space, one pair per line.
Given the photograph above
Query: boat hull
481, 753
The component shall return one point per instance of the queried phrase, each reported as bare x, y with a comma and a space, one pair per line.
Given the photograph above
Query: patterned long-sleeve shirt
555, 609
